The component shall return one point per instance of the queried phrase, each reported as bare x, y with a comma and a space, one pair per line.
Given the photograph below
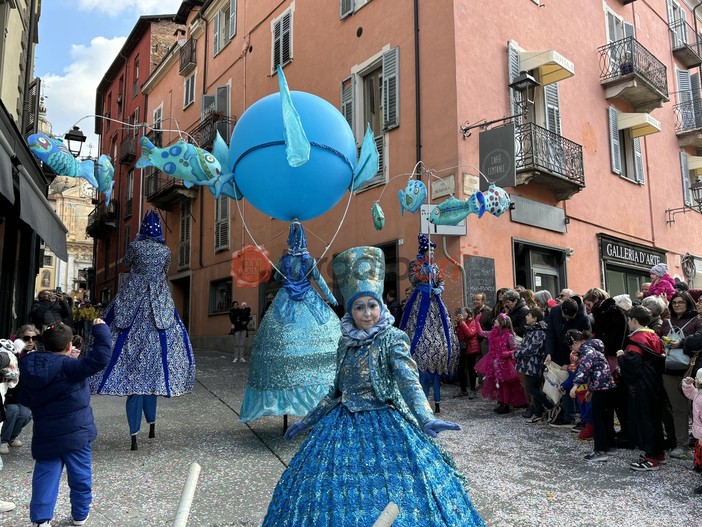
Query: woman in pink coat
692, 388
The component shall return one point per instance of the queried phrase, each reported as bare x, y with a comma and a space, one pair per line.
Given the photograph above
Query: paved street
520, 474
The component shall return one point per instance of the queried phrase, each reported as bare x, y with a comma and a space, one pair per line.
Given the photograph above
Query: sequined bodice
354, 381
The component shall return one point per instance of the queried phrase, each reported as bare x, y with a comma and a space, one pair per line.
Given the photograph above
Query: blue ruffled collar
360, 337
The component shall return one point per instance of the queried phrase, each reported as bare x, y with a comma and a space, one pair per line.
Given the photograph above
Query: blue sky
78, 40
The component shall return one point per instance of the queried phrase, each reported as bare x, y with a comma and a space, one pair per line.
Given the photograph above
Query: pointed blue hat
151, 228
360, 272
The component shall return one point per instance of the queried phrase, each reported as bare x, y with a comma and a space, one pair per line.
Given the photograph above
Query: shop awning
694, 163
639, 124
551, 65
37, 212
6, 176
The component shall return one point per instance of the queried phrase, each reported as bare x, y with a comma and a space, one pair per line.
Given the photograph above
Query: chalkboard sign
480, 277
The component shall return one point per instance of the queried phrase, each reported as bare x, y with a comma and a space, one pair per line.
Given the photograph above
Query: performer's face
365, 312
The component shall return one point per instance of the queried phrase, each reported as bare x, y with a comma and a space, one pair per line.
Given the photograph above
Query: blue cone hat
360, 272
151, 228
297, 241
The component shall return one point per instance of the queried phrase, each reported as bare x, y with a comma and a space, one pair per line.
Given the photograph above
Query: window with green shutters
282, 40
625, 152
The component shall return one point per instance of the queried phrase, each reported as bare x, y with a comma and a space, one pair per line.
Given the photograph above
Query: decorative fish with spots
378, 217
105, 176
452, 211
54, 154
412, 198
181, 160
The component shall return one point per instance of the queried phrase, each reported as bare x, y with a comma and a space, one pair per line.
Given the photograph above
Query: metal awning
639, 124
37, 212
551, 65
6, 188
694, 162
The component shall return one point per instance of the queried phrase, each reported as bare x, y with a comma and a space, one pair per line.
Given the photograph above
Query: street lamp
696, 191
75, 139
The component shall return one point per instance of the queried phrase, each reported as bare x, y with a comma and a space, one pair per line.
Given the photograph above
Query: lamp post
75, 139
696, 191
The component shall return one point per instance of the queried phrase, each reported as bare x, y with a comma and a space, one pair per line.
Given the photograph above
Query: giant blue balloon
258, 158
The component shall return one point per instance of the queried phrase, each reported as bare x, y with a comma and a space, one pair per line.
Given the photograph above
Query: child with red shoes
642, 363
593, 373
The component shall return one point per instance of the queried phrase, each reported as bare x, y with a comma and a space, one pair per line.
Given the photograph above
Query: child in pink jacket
692, 388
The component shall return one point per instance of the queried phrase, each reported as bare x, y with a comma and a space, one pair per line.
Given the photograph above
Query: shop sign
629, 253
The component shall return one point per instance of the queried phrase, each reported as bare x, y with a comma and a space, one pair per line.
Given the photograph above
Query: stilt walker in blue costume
427, 322
151, 352
371, 437
292, 360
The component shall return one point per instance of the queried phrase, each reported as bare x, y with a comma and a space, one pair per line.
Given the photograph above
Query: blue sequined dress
292, 360
368, 449
151, 352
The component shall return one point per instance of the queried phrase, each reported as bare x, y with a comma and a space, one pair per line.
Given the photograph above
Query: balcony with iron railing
203, 133
128, 149
155, 135
630, 72
164, 191
103, 220
548, 159
687, 44
188, 58
688, 122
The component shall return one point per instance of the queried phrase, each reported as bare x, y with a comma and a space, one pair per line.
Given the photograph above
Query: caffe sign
621, 251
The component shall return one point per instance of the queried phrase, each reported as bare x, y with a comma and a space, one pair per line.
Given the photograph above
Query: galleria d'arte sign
629, 253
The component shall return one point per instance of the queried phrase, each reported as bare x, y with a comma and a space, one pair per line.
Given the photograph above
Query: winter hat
698, 377
623, 302
660, 269
681, 286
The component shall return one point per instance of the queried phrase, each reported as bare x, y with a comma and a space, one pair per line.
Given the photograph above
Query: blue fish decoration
452, 211
190, 164
105, 176
55, 155
221, 152
412, 198
378, 217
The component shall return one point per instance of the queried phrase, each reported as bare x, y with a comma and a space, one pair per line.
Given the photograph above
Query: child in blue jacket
55, 388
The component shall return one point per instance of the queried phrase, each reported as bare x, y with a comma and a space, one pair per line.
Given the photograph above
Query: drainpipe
201, 193
417, 90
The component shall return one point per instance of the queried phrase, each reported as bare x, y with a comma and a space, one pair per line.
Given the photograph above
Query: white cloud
71, 97
141, 7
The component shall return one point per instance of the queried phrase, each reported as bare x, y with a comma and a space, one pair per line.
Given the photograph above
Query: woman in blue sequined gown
292, 360
371, 438
151, 352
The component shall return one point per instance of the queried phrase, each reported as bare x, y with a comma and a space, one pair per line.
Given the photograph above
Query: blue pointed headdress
297, 241
151, 228
359, 272
424, 244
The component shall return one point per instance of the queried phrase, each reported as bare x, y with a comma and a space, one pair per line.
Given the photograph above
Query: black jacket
610, 326
518, 317
557, 327
45, 312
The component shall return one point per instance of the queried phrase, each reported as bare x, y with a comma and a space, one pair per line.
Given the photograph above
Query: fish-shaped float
54, 154
105, 176
497, 201
452, 211
181, 160
412, 198
378, 217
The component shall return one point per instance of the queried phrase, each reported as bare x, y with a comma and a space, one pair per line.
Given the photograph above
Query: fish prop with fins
221, 152
412, 198
181, 160
105, 176
378, 217
497, 201
54, 154
452, 211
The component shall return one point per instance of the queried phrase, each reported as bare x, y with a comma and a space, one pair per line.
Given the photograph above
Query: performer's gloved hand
437, 290
433, 427
293, 430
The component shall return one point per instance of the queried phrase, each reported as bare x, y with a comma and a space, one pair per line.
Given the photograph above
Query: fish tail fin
87, 172
146, 148
108, 193
401, 194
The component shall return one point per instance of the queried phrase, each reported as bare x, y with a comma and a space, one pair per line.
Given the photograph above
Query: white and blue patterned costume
293, 355
151, 352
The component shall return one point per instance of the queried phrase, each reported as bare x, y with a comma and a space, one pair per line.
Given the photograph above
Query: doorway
539, 267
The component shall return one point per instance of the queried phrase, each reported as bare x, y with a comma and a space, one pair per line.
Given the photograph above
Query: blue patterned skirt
353, 464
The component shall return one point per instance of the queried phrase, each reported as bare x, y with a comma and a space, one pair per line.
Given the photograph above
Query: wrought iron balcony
188, 58
127, 149
203, 134
629, 71
548, 159
687, 46
688, 122
103, 220
164, 191
156, 137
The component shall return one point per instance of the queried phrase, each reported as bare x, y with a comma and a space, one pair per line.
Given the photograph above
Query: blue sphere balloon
259, 161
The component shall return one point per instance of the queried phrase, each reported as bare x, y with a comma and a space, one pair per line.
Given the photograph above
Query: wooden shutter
391, 89
615, 154
347, 100
687, 110
286, 38
685, 173
222, 108
346, 8
31, 120
232, 19
215, 35
184, 242
222, 223
638, 161
513, 68
553, 111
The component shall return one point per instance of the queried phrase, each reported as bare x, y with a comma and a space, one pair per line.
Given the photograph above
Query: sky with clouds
78, 40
